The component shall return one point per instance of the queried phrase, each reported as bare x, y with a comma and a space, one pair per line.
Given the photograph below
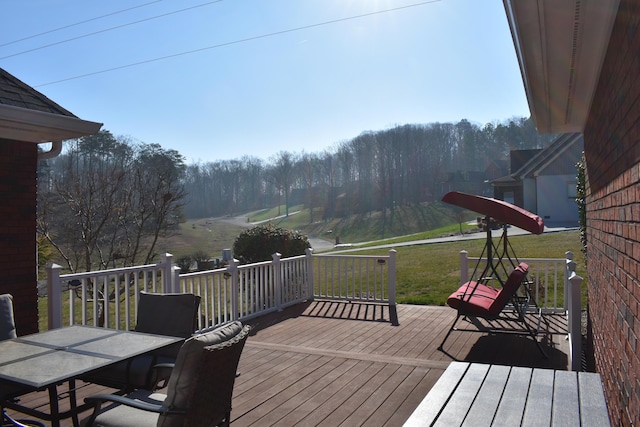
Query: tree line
373, 171
106, 200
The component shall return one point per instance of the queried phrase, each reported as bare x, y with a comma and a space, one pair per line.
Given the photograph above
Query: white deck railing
363, 278
83, 297
556, 289
109, 297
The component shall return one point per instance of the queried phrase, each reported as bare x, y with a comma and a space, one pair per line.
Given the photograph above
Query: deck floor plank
346, 364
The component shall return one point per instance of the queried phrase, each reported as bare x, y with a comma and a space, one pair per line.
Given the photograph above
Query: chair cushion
478, 299
510, 287
7, 322
114, 415
473, 298
187, 363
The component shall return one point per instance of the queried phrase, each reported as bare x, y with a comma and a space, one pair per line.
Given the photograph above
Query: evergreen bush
261, 242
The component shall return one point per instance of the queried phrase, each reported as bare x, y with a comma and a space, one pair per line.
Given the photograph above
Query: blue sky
255, 77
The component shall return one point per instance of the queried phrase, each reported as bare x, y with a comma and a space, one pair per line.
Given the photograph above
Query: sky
224, 79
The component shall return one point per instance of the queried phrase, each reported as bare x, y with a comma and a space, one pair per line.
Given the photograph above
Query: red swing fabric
481, 300
499, 210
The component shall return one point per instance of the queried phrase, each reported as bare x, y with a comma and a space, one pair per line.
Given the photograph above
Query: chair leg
7, 421
453, 326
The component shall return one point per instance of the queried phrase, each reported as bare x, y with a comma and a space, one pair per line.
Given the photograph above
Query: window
572, 190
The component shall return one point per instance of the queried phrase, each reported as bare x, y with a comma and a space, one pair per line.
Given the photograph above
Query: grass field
426, 274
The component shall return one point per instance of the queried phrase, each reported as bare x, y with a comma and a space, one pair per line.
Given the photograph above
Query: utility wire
248, 39
109, 29
77, 23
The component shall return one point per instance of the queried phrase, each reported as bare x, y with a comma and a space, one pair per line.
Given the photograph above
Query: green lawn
428, 274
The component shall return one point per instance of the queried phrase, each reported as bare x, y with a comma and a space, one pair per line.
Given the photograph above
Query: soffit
560, 45
21, 124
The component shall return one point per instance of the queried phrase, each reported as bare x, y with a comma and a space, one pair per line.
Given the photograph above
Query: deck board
347, 364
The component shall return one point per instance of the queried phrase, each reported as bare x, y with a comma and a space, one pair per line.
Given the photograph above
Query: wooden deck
336, 363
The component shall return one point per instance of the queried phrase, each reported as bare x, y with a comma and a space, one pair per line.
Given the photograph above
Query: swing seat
481, 300
478, 300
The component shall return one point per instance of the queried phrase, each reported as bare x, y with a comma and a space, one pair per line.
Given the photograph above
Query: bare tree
309, 168
107, 201
283, 173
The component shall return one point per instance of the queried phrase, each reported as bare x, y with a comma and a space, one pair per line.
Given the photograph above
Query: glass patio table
45, 360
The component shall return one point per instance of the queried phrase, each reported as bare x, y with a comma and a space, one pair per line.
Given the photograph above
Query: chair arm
98, 399
160, 375
161, 366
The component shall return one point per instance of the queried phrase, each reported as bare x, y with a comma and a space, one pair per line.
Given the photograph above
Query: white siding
554, 203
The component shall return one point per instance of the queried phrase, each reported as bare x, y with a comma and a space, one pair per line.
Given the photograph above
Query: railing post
464, 267
54, 293
232, 269
277, 278
569, 267
392, 277
168, 278
310, 276
575, 323
175, 281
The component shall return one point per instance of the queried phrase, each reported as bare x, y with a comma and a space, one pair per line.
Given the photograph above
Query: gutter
54, 151
34, 126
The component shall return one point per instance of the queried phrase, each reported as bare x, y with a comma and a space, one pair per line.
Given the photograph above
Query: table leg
73, 403
53, 406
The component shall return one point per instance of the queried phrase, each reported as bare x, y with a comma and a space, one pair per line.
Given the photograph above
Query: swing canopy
499, 210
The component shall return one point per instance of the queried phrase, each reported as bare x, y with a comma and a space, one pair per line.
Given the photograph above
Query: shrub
261, 242
184, 262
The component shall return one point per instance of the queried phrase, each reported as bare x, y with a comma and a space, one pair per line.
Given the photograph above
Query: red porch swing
511, 298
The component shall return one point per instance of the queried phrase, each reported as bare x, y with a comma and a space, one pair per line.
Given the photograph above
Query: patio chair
199, 391
10, 391
476, 299
162, 314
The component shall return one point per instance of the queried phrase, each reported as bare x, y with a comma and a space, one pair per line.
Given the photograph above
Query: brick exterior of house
27, 118
18, 165
612, 151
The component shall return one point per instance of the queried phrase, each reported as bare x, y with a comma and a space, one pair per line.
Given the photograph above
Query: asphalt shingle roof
18, 94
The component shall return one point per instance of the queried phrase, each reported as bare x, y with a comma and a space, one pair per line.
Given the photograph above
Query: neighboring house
580, 63
544, 181
27, 119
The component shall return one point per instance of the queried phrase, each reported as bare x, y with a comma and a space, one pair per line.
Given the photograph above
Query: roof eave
21, 124
560, 46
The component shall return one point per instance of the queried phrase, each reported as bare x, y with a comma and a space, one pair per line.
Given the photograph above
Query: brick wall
612, 152
18, 163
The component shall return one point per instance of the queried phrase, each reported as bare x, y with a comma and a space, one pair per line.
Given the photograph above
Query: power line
110, 29
77, 23
248, 39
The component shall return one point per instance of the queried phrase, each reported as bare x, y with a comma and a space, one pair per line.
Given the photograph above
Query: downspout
54, 151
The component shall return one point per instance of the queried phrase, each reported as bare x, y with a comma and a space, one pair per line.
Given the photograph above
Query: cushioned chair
478, 300
199, 391
162, 314
8, 390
